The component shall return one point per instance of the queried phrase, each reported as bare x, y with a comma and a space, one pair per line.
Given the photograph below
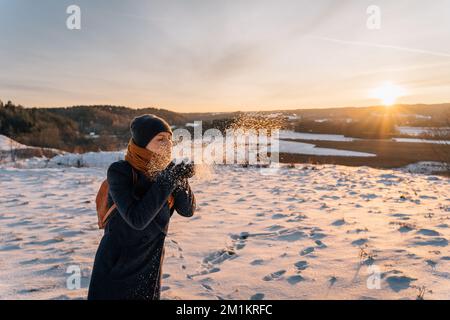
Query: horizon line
235, 111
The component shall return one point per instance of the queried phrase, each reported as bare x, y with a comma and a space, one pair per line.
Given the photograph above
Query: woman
129, 258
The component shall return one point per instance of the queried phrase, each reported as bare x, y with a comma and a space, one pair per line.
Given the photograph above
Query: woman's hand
183, 170
176, 173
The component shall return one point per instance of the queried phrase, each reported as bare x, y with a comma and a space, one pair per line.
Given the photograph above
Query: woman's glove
174, 174
181, 186
183, 170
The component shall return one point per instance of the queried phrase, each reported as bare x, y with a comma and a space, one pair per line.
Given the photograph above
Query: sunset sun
388, 93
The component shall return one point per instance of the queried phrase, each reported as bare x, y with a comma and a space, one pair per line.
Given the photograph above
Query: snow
415, 131
191, 124
413, 140
426, 167
412, 131
311, 149
6, 144
104, 158
315, 231
288, 134
274, 115
420, 116
293, 117
89, 159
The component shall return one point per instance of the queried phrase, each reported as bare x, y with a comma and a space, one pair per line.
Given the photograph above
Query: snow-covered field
289, 134
311, 149
413, 140
415, 131
322, 231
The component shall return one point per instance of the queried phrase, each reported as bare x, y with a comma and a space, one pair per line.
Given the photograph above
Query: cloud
384, 46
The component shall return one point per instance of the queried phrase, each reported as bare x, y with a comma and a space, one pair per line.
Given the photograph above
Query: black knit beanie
144, 128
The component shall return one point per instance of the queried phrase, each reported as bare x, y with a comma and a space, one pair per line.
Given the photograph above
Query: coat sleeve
185, 203
137, 213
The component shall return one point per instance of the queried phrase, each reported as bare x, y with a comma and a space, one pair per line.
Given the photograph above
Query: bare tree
12, 150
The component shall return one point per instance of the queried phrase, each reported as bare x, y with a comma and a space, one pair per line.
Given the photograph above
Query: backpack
101, 201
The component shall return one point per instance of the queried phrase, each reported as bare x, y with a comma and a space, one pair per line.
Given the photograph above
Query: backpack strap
108, 213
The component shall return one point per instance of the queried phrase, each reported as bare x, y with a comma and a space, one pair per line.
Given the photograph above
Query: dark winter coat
129, 258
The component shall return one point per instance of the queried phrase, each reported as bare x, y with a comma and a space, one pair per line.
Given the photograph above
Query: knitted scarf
148, 162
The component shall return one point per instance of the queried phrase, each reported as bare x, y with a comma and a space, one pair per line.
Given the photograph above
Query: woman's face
161, 144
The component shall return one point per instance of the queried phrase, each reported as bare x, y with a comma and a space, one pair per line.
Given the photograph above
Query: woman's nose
167, 144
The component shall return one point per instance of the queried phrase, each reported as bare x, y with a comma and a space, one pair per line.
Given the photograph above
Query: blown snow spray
203, 171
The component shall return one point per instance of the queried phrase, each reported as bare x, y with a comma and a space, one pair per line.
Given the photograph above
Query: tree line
74, 129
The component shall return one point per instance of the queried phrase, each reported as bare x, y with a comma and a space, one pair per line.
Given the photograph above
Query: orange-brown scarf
148, 162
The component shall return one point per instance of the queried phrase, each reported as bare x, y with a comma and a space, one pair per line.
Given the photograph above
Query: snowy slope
6, 144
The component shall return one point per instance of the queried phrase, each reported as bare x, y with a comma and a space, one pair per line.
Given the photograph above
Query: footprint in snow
399, 283
338, 223
279, 216
428, 232
257, 296
435, 242
360, 242
320, 244
301, 265
257, 262
295, 279
307, 251
405, 228
274, 275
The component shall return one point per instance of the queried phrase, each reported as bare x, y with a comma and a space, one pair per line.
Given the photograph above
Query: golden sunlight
388, 93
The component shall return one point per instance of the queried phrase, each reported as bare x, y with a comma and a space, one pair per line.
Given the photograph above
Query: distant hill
77, 128
413, 114
104, 127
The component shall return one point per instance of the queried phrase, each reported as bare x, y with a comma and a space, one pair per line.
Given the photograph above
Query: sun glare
388, 93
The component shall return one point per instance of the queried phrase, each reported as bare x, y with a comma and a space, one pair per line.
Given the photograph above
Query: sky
216, 56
